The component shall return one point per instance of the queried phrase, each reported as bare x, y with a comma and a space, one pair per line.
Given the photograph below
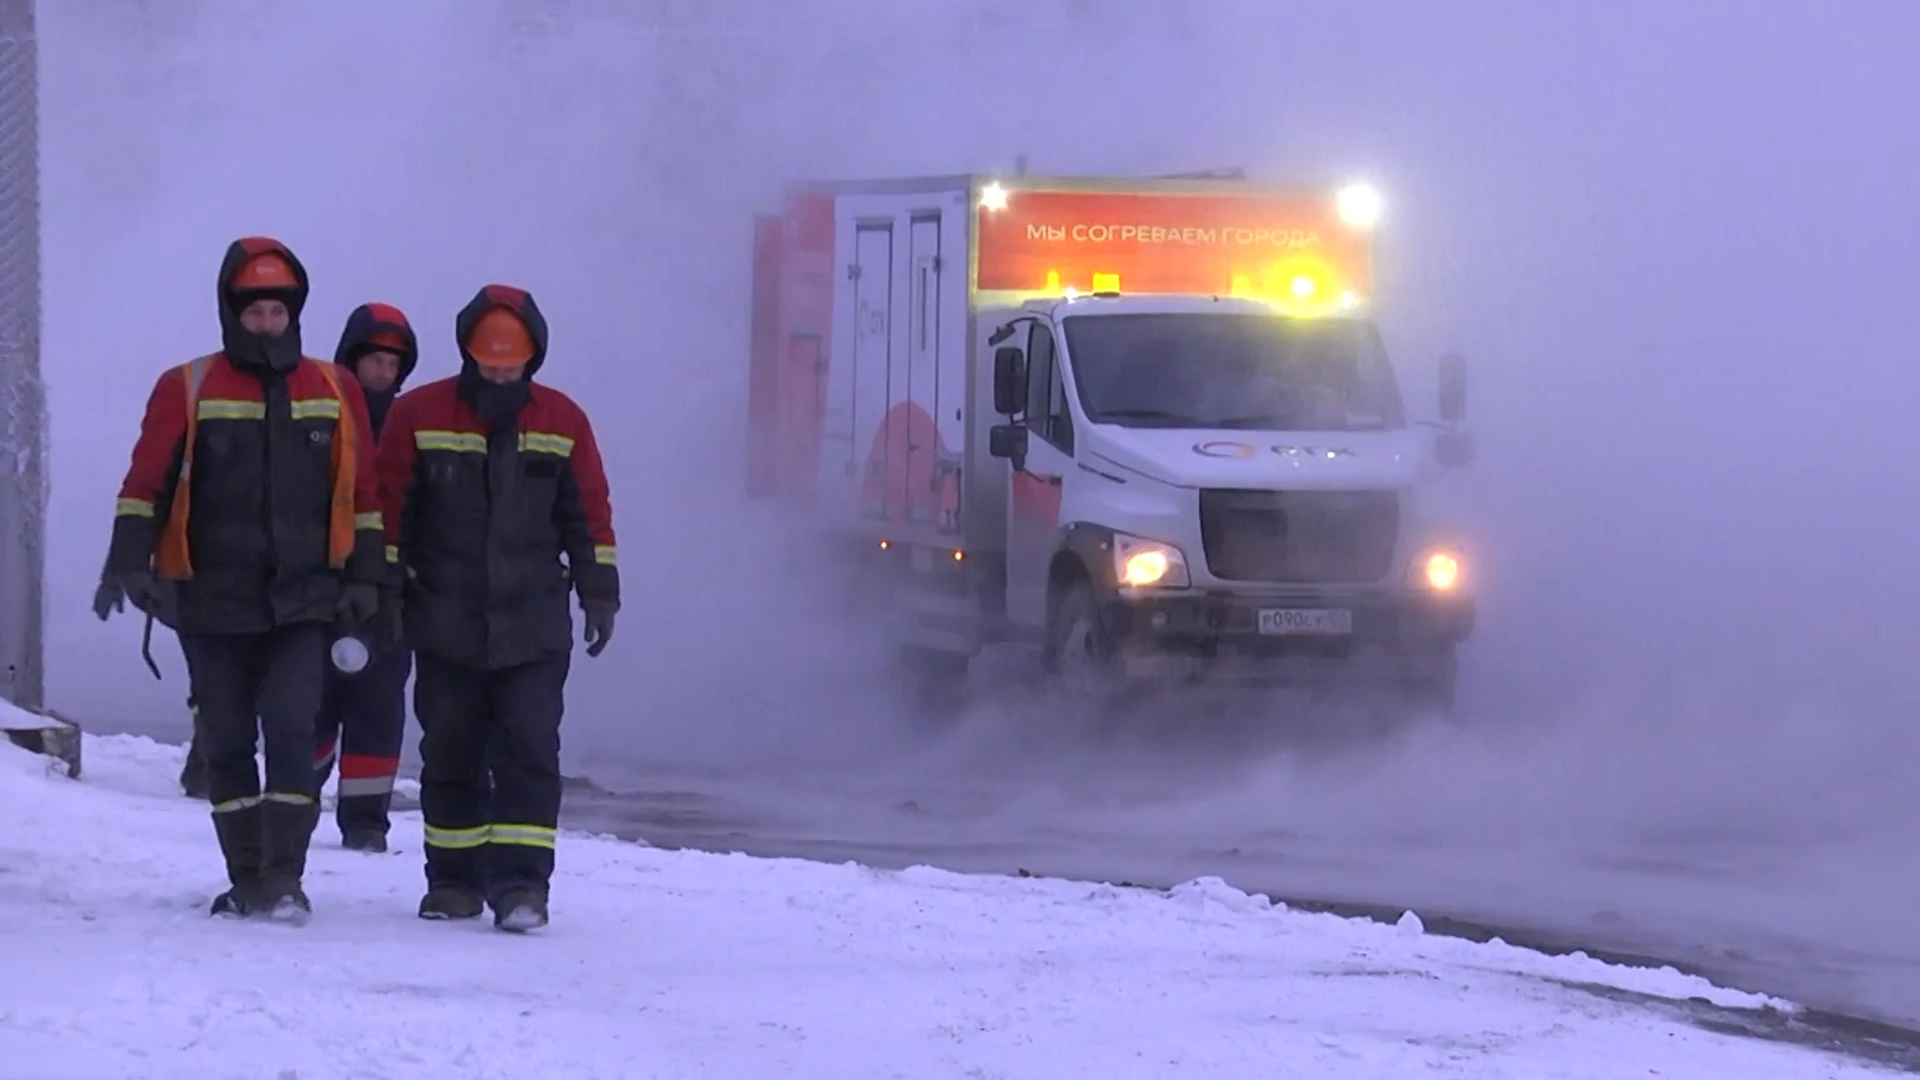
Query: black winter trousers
363, 726
245, 687
490, 772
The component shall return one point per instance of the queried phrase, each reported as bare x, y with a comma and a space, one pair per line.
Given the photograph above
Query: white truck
1145, 426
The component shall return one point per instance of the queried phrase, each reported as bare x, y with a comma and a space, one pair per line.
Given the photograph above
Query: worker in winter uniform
248, 516
363, 715
488, 480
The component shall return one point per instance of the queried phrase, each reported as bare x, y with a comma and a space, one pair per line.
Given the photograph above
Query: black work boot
289, 831
241, 901
451, 902
368, 840
242, 843
521, 910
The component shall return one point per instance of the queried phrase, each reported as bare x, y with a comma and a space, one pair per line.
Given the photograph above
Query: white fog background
1675, 241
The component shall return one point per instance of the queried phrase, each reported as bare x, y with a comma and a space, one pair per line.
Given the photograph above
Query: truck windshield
1257, 372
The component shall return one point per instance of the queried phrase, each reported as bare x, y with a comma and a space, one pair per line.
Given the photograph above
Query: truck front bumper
1399, 636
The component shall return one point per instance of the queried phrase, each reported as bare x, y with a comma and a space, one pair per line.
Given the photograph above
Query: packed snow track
1481, 835
679, 964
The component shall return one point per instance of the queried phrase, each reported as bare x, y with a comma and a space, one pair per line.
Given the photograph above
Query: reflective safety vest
174, 562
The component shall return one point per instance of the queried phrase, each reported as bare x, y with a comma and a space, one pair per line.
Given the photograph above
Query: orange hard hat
500, 339
267, 270
386, 340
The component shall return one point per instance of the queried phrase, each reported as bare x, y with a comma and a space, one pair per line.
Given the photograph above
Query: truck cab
1209, 486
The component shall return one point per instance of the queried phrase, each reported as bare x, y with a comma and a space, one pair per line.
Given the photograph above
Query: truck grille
1300, 537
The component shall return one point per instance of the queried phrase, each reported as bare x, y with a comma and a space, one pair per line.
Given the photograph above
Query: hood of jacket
248, 350
366, 321
495, 400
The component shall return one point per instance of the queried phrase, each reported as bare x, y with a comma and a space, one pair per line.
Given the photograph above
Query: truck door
1037, 487
871, 384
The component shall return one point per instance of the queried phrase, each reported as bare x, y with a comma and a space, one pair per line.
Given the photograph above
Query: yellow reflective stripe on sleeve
316, 409
133, 508
393, 553
287, 797
606, 555
372, 519
536, 836
227, 409
231, 805
456, 839
459, 442
545, 442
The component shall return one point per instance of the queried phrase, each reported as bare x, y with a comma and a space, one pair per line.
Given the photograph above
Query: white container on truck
1145, 427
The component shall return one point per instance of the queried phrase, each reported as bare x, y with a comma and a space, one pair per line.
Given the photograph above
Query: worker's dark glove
599, 615
109, 597
139, 588
389, 626
359, 603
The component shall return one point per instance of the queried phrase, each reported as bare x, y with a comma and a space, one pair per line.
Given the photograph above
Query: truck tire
1081, 658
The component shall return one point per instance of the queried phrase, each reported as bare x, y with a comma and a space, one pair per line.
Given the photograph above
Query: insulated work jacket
481, 513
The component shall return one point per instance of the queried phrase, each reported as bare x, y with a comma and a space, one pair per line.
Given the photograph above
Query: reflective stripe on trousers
534, 836
247, 801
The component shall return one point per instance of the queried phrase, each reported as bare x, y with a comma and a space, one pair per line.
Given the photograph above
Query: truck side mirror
1453, 449
1008, 441
1453, 388
1009, 380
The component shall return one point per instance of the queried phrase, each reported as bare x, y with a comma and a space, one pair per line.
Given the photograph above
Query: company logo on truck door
1222, 448
911, 477
1194, 244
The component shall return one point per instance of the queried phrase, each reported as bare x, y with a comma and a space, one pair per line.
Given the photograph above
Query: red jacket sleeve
584, 515
369, 534
147, 490
394, 474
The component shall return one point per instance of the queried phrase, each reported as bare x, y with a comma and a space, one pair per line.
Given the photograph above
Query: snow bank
663, 964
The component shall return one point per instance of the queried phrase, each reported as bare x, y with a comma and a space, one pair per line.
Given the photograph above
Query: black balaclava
245, 349
492, 401
366, 321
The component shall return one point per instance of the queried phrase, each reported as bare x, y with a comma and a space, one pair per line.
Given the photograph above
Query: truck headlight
1139, 563
1438, 570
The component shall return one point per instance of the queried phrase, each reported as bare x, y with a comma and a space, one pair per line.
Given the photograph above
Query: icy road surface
672, 964
1782, 860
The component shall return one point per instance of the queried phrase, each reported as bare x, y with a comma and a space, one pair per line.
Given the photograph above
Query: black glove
139, 588
109, 597
359, 603
389, 628
599, 624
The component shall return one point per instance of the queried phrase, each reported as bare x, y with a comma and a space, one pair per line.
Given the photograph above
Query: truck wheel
1080, 653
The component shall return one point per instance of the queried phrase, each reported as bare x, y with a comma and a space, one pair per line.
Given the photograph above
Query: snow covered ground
675, 965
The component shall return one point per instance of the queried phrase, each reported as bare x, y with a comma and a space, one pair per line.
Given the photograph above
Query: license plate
1306, 621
